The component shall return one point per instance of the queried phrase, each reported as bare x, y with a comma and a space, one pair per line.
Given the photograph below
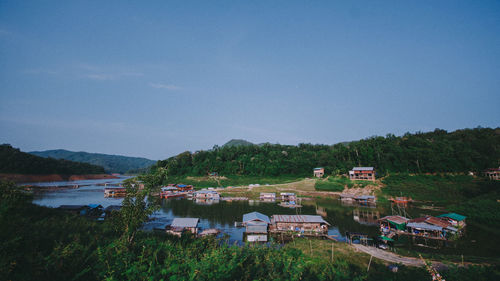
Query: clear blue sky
155, 78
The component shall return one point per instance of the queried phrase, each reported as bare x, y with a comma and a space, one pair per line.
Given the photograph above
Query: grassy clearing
337, 184
203, 182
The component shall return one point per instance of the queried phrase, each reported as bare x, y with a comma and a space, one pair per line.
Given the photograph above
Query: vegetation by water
338, 183
475, 198
437, 151
14, 161
110, 163
40, 243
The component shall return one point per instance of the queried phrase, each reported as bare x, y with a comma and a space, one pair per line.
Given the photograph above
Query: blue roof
255, 216
181, 185
93, 206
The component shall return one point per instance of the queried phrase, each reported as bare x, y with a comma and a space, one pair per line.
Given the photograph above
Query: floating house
319, 172
115, 192
268, 196
285, 196
456, 220
180, 225
207, 194
493, 174
256, 227
362, 173
171, 192
299, 223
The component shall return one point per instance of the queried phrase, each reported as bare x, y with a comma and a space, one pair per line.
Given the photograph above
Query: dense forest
14, 161
110, 163
437, 151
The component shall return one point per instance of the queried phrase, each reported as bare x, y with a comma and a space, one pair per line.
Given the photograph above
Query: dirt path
388, 256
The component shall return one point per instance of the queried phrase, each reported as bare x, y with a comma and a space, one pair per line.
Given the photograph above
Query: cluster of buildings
93, 211
357, 173
442, 227
258, 226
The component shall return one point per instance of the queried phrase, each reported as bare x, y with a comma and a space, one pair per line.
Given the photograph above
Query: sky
156, 78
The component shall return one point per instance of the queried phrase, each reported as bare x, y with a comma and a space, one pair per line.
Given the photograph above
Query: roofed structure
255, 217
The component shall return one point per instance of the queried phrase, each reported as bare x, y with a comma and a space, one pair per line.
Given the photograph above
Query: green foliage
110, 163
437, 151
14, 161
466, 195
237, 142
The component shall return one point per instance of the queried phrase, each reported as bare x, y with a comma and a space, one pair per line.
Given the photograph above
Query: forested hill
14, 161
237, 142
438, 151
111, 163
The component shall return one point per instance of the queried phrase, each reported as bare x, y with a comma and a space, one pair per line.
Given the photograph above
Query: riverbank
20, 178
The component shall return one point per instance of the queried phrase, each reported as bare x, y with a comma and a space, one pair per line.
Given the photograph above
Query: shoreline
20, 178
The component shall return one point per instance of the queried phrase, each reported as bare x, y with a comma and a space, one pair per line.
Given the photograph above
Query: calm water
222, 215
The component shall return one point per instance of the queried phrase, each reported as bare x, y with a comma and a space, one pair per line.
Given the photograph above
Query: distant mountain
14, 161
111, 163
237, 142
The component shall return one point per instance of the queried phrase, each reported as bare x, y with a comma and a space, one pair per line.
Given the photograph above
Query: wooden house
319, 172
180, 225
268, 196
299, 223
184, 187
362, 173
493, 174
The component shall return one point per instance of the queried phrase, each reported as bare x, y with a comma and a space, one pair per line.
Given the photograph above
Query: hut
299, 223
362, 173
268, 196
456, 220
180, 225
319, 172
425, 230
207, 194
393, 223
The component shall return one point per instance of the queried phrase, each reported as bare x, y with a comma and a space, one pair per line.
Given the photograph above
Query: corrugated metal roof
395, 219
298, 219
364, 197
424, 226
362, 169
318, 168
255, 216
185, 222
453, 216
437, 221
287, 193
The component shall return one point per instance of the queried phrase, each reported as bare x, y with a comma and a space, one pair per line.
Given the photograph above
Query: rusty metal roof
299, 219
395, 219
437, 221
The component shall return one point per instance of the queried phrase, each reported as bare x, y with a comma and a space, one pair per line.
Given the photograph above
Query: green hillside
460, 151
14, 161
111, 163
237, 142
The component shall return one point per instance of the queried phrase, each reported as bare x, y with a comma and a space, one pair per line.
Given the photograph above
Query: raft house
181, 225
207, 194
256, 227
286, 196
267, 196
304, 224
115, 192
171, 192
362, 173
